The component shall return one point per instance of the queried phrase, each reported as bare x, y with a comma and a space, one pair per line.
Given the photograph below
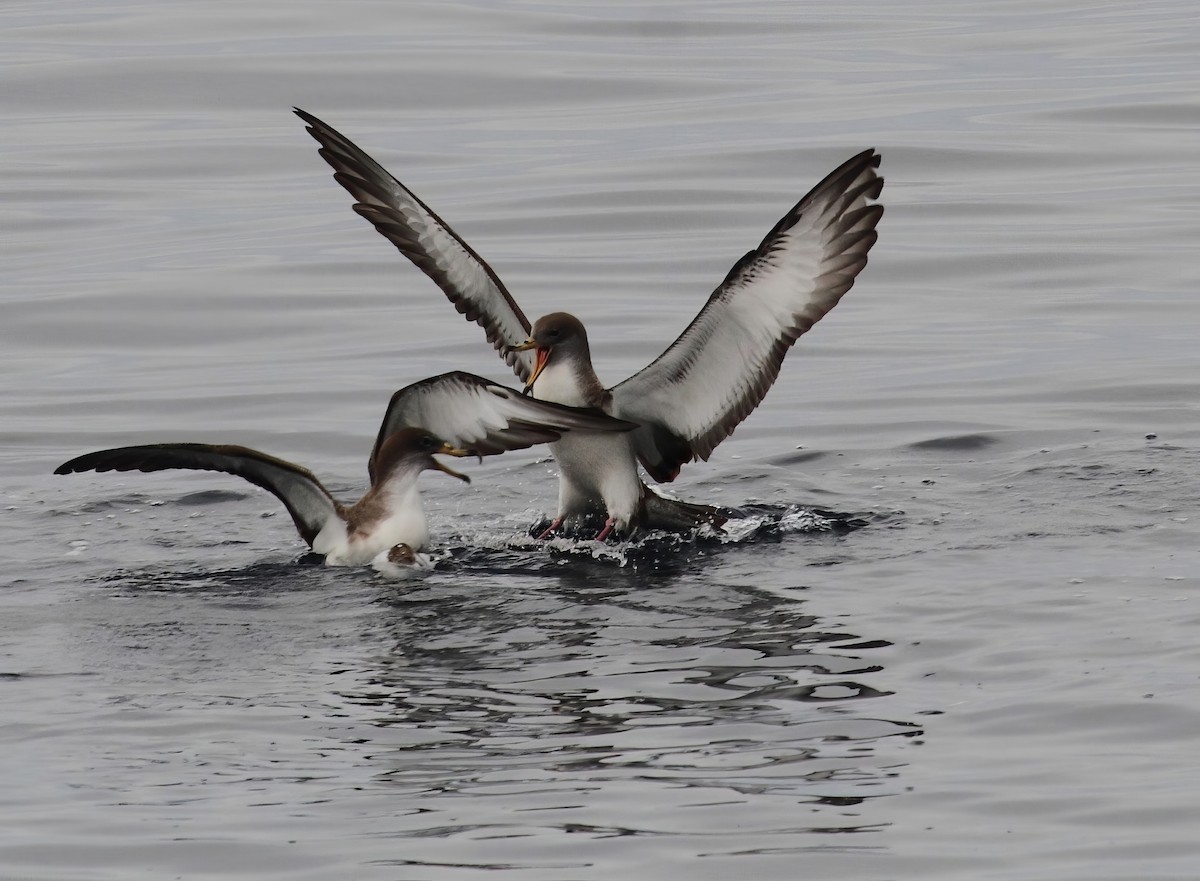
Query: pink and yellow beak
543, 355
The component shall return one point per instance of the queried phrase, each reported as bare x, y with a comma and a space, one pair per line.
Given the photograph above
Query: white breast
406, 525
597, 470
559, 383
403, 523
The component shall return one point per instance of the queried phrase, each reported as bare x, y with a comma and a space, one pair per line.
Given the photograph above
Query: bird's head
554, 336
416, 448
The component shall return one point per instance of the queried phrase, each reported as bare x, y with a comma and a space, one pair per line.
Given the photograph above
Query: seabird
696, 392
389, 514
471, 416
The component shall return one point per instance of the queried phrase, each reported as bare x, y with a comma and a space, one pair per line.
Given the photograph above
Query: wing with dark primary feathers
711, 378
307, 501
425, 239
473, 413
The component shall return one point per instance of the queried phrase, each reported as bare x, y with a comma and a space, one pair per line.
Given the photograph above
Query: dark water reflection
729, 690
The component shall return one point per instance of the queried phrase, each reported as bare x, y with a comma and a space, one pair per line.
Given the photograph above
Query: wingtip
869, 158
86, 462
311, 123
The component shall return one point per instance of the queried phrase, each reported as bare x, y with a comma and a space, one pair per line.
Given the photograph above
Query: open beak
543, 355
452, 451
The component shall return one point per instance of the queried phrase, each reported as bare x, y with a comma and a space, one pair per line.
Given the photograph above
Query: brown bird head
415, 448
557, 337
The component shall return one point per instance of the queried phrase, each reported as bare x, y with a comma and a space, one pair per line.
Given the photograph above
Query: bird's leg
608, 528
550, 529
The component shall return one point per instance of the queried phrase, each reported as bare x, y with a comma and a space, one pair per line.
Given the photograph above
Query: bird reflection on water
545, 692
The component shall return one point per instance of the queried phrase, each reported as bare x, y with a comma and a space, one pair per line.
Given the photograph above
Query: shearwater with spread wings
698, 390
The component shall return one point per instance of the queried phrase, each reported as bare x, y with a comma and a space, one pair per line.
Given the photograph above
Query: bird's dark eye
427, 442
554, 334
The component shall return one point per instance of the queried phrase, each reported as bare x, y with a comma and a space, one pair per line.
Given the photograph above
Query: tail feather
676, 516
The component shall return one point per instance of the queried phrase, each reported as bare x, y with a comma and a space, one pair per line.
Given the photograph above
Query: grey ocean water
997, 678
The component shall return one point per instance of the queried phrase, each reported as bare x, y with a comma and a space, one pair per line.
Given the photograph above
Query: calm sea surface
997, 678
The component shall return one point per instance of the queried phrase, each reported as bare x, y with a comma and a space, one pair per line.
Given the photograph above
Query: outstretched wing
470, 412
307, 501
694, 394
425, 239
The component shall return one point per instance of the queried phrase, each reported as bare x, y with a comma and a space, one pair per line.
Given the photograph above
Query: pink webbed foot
550, 529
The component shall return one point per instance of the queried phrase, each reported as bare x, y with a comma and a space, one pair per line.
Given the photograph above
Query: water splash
656, 550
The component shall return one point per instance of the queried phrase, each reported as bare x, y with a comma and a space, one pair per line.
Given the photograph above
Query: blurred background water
996, 678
